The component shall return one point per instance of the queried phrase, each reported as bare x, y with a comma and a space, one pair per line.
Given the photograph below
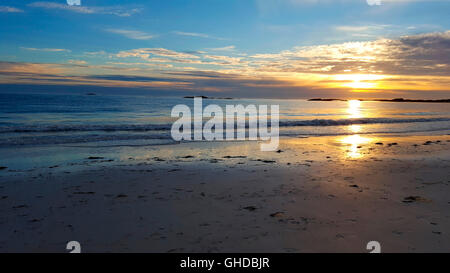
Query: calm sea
44, 119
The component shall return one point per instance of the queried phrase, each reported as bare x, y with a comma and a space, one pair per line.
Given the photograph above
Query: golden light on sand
354, 109
354, 142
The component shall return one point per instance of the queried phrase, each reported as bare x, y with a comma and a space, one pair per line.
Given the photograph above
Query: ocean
103, 120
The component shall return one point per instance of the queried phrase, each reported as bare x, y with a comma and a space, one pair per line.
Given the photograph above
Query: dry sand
319, 194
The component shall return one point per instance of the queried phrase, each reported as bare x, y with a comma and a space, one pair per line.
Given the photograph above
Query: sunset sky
239, 48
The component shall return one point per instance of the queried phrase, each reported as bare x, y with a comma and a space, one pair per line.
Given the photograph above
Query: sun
359, 81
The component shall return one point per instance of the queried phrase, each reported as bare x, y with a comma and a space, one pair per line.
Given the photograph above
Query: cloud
46, 49
112, 10
225, 48
77, 62
7, 9
147, 53
192, 34
426, 54
423, 54
69, 74
95, 53
226, 60
360, 28
397, 66
162, 55
159, 65
132, 34
133, 78
195, 34
18, 69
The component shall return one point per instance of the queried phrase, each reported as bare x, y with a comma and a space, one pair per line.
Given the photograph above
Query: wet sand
318, 194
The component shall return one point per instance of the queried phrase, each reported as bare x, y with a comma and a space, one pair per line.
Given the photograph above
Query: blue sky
230, 39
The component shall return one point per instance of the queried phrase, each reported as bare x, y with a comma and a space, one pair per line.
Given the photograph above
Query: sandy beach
316, 194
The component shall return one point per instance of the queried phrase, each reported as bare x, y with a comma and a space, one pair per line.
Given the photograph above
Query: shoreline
317, 194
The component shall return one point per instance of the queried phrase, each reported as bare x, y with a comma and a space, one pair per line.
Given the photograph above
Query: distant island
205, 97
320, 99
387, 100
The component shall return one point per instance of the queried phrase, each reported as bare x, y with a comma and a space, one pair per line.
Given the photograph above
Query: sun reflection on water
355, 128
354, 142
354, 109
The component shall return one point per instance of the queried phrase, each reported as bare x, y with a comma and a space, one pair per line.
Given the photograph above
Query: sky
228, 48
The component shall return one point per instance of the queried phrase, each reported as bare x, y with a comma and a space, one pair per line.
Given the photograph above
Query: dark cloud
133, 78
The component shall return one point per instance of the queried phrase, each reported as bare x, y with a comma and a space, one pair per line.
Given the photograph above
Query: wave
167, 127
58, 139
112, 140
356, 121
84, 128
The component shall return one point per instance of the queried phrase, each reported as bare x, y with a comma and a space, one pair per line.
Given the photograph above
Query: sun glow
359, 81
